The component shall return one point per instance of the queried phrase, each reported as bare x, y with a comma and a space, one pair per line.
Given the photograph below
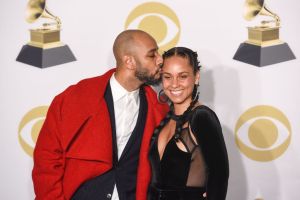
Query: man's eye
166, 77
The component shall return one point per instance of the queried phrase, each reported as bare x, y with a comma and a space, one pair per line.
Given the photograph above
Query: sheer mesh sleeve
207, 129
197, 172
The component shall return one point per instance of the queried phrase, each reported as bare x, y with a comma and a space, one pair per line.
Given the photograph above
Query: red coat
75, 142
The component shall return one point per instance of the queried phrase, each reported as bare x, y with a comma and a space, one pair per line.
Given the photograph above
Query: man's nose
159, 60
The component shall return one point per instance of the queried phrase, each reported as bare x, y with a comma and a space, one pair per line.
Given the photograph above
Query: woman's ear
197, 78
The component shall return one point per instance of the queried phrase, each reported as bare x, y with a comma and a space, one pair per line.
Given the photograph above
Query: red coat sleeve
48, 169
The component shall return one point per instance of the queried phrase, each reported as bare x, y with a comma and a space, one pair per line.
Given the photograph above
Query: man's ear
129, 62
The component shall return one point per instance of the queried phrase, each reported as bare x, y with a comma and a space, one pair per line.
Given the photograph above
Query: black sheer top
195, 157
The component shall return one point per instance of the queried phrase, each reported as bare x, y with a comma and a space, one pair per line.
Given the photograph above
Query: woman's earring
162, 97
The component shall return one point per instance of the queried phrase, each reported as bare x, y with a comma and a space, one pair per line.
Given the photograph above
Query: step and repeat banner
249, 50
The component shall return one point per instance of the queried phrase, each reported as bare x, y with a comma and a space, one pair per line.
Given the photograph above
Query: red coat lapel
156, 112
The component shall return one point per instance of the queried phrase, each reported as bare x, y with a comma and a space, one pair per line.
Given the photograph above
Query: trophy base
43, 58
262, 56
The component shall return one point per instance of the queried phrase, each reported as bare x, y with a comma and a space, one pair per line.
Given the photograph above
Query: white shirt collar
118, 91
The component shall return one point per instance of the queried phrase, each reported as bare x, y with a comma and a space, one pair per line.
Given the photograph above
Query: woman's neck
179, 109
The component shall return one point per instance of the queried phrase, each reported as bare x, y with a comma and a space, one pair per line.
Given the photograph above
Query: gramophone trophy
45, 48
263, 46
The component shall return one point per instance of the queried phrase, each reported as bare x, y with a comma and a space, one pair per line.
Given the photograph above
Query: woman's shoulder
203, 110
203, 116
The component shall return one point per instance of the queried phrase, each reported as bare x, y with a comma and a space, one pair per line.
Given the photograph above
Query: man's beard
143, 75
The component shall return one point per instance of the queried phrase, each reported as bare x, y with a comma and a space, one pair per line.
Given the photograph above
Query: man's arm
48, 158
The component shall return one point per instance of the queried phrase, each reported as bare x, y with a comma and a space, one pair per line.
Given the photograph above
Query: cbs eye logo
30, 127
158, 20
263, 133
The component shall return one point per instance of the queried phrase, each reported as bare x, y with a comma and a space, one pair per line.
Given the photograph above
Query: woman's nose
174, 82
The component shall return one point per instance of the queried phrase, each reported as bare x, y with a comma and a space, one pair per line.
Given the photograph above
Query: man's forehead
153, 50
148, 45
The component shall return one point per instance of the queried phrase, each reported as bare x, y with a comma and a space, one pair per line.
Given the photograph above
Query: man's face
148, 61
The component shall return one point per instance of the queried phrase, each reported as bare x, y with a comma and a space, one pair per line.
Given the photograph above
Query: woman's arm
206, 127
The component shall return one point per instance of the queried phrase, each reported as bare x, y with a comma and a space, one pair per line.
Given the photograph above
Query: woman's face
178, 80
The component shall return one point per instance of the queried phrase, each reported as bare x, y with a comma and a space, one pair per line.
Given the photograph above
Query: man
95, 139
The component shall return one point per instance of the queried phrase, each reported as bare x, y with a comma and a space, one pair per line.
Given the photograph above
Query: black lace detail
181, 119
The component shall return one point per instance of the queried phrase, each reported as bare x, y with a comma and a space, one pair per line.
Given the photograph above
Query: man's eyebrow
153, 50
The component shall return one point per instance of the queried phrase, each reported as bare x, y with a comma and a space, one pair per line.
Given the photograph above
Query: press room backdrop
258, 107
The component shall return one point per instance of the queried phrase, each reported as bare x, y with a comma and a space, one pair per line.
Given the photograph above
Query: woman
188, 156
